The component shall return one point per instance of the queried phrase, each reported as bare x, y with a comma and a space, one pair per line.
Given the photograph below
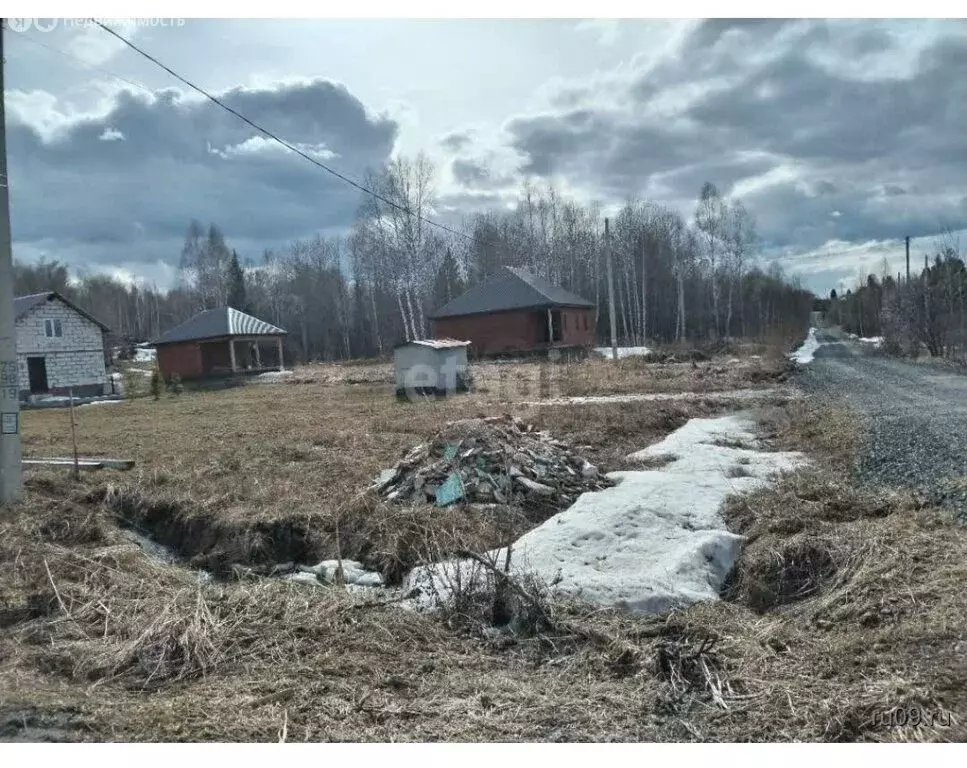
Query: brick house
59, 347
219, 342
514, 311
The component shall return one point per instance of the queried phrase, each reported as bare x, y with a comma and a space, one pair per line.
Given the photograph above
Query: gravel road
917, 412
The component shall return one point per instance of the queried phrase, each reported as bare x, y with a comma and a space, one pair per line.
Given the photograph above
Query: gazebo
218, 342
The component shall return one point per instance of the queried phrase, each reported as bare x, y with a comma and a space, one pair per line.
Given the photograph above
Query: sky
841, 137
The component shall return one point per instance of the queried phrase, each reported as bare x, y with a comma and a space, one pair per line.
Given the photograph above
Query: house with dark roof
217, 342
515, 311
60, 348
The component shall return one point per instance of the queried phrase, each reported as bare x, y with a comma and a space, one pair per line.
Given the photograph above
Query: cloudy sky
841, 137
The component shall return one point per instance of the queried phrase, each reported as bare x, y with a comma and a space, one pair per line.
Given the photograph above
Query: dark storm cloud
456, 141
180, 159
844, 150
470, 173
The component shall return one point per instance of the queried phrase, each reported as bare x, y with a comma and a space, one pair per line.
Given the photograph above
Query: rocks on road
917, 415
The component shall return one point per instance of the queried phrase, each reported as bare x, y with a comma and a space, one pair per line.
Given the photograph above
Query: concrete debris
499, 459
353, 572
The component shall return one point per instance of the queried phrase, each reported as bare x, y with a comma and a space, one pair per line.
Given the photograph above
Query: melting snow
270, 375
623, 351
653, 542
726, 394
807, 349
876, 341
145, 355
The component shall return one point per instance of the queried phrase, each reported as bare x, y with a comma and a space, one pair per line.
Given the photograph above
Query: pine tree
236, 285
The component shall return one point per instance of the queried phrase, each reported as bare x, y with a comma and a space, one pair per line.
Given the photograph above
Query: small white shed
431, 367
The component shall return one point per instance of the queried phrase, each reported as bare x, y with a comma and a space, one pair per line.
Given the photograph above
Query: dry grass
845, 604
273, 472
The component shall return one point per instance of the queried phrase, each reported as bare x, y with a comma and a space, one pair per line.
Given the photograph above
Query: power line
275, 138
87, 64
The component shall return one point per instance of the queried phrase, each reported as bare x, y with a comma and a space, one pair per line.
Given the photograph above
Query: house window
585, 322
53, 328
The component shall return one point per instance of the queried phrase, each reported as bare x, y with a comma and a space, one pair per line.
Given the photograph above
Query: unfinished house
60, 348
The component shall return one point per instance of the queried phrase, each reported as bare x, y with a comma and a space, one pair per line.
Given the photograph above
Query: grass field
268, 472
846, 603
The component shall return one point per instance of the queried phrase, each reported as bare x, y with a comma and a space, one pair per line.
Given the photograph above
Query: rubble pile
495, 460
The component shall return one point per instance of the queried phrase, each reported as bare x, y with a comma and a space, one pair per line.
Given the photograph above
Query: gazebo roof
218, 323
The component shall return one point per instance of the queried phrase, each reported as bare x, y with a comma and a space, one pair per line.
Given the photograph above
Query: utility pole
11, 481
908, 258
611, 317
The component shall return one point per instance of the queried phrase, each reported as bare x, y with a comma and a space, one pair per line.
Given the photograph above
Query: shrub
156, 384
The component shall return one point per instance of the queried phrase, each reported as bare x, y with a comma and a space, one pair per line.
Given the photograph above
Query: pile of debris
500, 460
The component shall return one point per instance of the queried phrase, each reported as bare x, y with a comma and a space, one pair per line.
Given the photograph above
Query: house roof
510, 289
214, 323
23, 304
436, 343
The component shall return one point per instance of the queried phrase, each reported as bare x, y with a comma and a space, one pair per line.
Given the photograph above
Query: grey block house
60, 347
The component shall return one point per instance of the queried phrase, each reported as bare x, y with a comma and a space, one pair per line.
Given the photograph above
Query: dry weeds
845, 604
271, 472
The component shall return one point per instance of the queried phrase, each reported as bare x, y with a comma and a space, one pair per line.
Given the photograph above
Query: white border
441, 9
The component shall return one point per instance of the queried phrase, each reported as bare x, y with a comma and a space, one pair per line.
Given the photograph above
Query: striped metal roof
437, 343
215, 323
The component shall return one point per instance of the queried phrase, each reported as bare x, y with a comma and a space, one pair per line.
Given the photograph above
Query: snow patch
653, 542
807, 349
305, 577
725, 394
876, 341
271, 375
623, 351
353, 573
145, 355
101, 402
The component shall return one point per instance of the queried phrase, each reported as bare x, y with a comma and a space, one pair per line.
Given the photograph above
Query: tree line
357, 295
927, 313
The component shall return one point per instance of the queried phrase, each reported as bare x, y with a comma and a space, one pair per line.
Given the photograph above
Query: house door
37, 374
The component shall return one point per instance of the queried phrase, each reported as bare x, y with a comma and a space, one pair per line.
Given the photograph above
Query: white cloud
111, 134
606, 30
260, 145
95, 46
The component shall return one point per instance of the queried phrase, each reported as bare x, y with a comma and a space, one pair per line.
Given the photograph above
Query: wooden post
258, 356
278, 341
77, 467
611, 312
231, 352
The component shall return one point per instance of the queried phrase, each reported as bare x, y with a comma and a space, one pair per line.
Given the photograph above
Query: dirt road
917, 413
